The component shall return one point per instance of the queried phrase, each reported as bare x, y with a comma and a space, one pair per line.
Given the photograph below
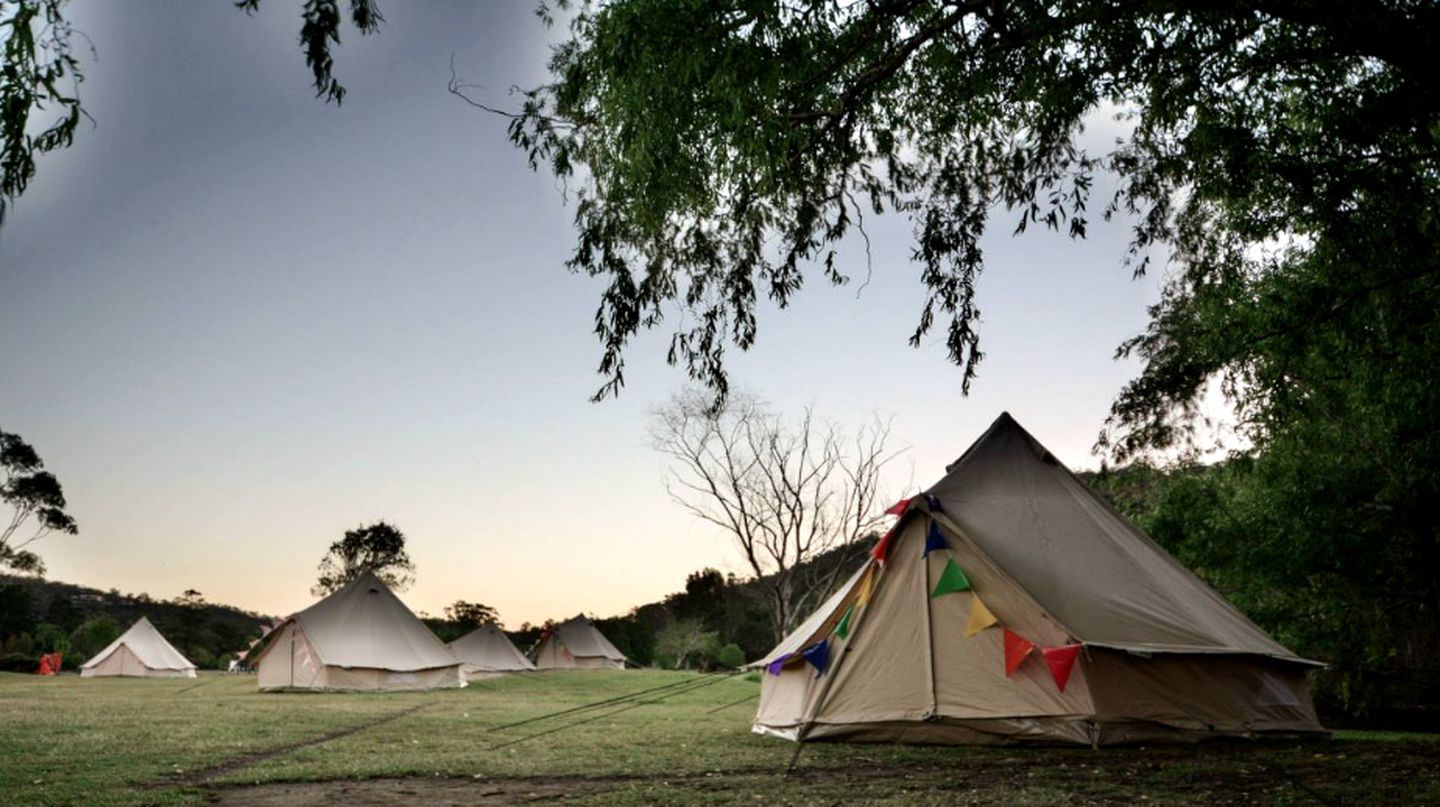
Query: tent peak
1003, 425
366, 579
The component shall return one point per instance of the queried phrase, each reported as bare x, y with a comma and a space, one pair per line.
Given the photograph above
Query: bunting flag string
980, 617
934, 539
1017, 648
819, 656
843, 629
776, 666
1061, 661
951, 580
899, 508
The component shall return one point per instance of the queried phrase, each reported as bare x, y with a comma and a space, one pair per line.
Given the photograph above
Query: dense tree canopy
720, 151
470, 615
377, 548
723, 150
1327, 544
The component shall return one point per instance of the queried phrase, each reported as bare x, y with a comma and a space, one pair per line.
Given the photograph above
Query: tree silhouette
377, 548
35, 499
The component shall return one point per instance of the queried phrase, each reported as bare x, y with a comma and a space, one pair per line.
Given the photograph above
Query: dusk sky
236, 321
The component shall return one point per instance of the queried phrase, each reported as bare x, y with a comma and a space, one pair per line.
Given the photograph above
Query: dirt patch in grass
1231, 774
444, 792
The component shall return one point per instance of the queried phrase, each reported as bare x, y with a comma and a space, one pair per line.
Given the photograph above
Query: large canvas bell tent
140, 652
487, 651
1009, 603
361, 637
575, 644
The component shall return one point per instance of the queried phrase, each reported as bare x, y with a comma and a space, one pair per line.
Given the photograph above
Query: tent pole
929, 634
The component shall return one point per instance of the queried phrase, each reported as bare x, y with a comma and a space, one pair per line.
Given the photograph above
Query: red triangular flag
883, 548
1017, 648
1061, 661
898, 508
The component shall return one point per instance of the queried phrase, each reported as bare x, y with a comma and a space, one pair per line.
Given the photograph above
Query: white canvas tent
487, 651
140, 652
1060, 622
575, 644
361, 637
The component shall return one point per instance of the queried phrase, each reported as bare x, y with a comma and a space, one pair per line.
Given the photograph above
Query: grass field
217, 740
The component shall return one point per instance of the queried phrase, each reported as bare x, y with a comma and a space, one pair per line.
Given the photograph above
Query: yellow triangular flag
980, 617
867, 587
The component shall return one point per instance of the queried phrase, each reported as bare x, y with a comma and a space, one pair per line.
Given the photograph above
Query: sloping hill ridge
207, 633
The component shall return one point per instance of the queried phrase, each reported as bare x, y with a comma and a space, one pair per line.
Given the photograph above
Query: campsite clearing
216, 739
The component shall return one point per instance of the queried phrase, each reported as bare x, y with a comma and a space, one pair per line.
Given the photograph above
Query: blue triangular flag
775, 667
933, 502
819, 657
935, 539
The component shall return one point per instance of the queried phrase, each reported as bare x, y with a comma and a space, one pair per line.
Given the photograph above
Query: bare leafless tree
787, 491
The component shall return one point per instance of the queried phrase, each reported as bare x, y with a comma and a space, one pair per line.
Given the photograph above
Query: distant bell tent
1011, 604
361, 637
140, 652
575, 644
487, 651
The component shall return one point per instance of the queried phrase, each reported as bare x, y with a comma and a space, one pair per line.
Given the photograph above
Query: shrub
730, 656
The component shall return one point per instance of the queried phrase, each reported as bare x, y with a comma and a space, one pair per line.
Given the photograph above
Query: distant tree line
39, 616
719, 621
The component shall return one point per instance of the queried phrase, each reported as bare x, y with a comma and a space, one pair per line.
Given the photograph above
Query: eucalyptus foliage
722, 150
41, 75
36, 503
39, 90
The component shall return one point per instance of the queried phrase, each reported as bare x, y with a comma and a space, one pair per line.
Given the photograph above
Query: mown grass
86, 741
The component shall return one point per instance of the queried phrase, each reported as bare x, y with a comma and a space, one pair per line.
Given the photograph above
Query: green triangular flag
951, 580
843, 629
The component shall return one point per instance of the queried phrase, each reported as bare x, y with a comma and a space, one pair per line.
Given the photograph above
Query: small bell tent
140, 652
361, 637
1010, 604
575, 644
487, 651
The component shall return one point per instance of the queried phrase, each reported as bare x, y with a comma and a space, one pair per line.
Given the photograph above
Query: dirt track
1233, 775
431, 792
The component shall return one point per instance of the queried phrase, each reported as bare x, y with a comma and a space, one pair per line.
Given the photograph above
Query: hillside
41, 615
